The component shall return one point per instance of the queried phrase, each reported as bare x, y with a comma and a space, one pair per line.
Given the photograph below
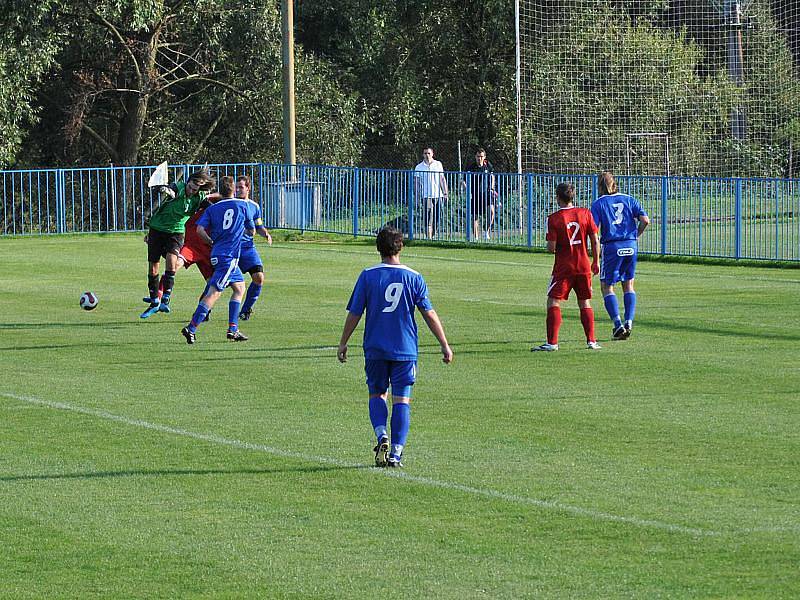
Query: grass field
135, 466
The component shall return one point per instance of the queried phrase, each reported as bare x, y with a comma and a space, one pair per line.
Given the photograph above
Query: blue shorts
401, 373
226, 272
249, 259
619, 262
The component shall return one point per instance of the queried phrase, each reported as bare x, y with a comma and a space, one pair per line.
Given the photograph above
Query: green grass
135, 466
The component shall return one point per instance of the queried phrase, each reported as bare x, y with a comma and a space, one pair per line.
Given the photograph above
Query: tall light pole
287, 53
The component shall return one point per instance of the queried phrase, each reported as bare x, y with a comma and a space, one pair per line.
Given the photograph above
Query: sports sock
401, 421
234, 308
378, 415
612, 308
152, 286
167, 283
253, 292
553, 324
587, 320
199, 315
630, 306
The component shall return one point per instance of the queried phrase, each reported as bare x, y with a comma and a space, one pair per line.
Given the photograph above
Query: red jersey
190, 238
570, 229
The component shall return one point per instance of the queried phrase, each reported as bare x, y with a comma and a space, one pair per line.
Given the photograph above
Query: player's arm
263, 231
350, 324
551, 246
594, 239
203, 235
435, 325
644, 221
444, 184
213, 197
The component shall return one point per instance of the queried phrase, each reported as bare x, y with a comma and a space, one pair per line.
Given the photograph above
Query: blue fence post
529, 194
355, 196
468, 224
664, 197
303, 202
738, 218
410, 193
62, 199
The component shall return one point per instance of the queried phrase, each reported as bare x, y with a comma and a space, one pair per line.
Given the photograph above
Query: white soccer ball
88, 301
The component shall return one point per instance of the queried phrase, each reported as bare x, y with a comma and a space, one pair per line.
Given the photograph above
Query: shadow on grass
697, 327
168, 472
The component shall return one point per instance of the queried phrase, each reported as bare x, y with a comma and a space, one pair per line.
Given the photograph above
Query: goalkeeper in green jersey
165, 235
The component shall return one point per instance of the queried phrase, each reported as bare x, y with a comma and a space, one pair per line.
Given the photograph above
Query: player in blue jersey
222, 226
621, 220
249, 260
389, 292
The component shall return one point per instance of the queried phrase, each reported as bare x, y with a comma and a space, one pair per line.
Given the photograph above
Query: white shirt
430, 176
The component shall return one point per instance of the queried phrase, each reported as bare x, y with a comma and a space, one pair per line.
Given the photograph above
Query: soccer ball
88, 301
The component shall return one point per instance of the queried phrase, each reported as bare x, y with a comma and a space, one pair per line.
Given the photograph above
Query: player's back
389, 294
226, 222
617, 217
570, 229
247, 239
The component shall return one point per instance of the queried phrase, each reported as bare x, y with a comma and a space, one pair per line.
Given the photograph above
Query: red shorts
582, 284
200, 256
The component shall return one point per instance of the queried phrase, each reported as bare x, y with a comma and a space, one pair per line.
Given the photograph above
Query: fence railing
709, 217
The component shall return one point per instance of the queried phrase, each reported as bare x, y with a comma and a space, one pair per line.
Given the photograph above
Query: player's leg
629, 300
215, 285
557, 290
377, 372
430, 207
583, 291
155, 250
174, 245
250, 262
609, 275
235, 308
402, 375
490, 223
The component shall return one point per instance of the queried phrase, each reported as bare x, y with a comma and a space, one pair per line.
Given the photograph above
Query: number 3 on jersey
393, 294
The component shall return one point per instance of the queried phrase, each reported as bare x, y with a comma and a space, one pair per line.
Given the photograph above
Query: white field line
426, 481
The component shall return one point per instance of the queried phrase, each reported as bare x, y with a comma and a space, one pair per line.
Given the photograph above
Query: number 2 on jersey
393, 294
574, 234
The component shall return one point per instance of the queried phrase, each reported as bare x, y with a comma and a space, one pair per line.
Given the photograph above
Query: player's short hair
606, 184
480, 151
227, 186
246, 179
203, 179
565, 192
389, 241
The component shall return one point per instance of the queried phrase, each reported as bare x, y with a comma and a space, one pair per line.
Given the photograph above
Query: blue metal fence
710, 217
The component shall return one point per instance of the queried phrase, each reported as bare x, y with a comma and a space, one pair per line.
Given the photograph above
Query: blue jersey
247, 240
617, 216
389, 294
225, 222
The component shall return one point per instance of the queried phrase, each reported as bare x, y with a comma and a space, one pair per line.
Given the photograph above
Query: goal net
682, 87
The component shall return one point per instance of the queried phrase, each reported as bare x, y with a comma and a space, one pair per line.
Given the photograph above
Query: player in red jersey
568, 230
194, 250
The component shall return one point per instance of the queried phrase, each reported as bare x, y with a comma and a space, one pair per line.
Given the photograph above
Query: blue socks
199, 316
234, 308
378, 415
253, 292
612, 308
401, 421
630, 306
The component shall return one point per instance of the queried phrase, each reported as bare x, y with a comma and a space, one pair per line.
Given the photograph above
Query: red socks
587, 320
554, 324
